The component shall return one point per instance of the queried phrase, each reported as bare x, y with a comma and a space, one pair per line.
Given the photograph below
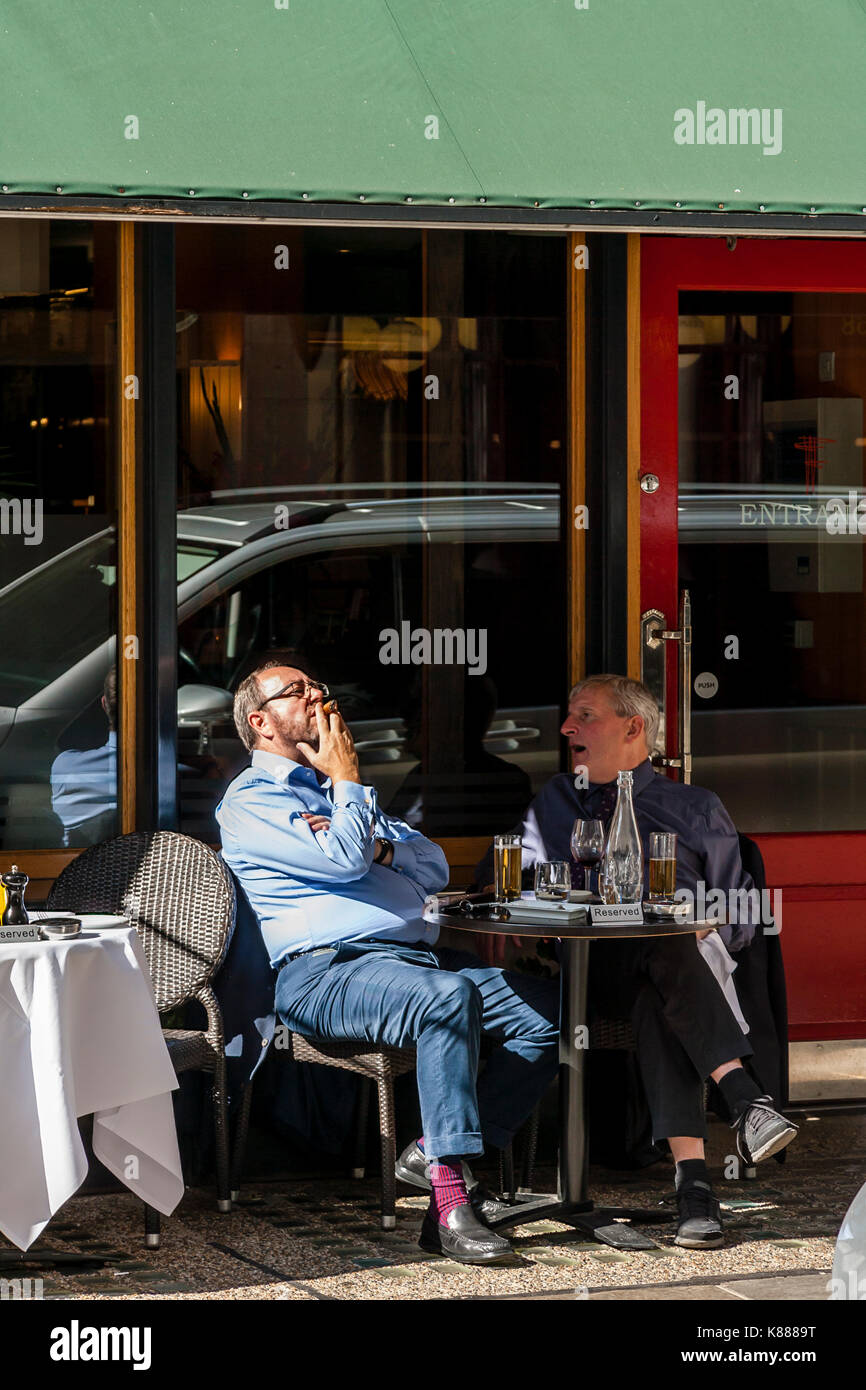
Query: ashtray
666, 911
59, 928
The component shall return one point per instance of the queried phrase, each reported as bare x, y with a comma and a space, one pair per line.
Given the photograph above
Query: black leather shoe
462, 1238
413, 1167
700, 1225
486, 1205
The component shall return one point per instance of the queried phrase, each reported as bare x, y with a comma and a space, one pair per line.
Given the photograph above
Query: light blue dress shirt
84, 788
310, 889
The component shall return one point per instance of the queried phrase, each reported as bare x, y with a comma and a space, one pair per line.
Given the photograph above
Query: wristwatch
384, 846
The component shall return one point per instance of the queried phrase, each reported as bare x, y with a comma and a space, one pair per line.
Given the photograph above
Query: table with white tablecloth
80, 1035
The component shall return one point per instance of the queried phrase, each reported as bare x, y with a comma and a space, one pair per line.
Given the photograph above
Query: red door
753, 379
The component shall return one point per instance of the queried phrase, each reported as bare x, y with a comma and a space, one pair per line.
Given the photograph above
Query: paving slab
670, 1293
809, 1288
803, 1287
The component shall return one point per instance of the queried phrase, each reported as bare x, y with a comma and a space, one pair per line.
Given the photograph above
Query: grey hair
249, 696
628, 698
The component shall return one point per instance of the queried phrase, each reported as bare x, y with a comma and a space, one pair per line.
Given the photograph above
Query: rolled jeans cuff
467, 1145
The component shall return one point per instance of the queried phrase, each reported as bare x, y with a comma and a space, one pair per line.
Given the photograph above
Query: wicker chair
180, 897
382, 1065
378, 1063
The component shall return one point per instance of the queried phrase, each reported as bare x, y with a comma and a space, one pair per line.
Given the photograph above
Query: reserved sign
615, 914
26, 932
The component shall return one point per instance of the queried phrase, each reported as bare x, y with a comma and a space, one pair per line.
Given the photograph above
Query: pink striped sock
449, 1189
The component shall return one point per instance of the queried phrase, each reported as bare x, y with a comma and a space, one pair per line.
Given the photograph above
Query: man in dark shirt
684, 1026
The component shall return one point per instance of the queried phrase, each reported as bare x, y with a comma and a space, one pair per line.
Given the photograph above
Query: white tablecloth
80, 1034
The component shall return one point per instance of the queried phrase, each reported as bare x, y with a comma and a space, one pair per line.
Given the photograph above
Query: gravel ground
307, 1239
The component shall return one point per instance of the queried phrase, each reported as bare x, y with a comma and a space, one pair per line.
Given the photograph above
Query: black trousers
682, 1023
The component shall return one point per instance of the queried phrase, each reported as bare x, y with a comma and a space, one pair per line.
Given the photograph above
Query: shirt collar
641, 778
286, 769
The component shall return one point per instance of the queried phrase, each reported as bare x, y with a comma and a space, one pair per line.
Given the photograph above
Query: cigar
330, 707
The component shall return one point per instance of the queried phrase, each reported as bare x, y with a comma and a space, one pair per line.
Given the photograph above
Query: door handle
685, 685
654, 635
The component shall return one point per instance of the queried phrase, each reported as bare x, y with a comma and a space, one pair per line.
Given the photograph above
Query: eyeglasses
296, 688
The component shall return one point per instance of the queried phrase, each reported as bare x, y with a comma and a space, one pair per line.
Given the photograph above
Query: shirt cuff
353, 793
405, 860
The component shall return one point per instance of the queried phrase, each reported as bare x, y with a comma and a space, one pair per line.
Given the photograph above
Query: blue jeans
440, 1002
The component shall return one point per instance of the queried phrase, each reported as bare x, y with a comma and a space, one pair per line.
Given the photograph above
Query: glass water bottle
622, 867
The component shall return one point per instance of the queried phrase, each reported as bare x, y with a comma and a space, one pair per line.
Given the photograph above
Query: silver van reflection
55, 655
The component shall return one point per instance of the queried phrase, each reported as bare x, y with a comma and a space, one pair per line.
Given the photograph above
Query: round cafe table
571, 1204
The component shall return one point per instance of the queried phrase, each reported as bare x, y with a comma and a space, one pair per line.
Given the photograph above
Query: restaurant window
58, 552
778, 612
372, 444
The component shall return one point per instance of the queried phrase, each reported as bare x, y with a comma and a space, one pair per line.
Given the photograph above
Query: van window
53, 618
358, 619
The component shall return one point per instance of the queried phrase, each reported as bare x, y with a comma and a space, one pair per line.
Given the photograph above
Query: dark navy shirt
707, 849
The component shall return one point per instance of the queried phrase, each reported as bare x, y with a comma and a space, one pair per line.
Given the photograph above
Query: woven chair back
176, 891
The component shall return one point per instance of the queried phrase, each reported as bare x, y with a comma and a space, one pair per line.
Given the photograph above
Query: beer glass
553, 879
662, 865
507, 867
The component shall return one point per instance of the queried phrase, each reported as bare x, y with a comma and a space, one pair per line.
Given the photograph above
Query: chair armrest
215, 1032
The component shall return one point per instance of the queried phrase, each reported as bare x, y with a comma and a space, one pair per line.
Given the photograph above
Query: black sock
692, 1170
738, 1091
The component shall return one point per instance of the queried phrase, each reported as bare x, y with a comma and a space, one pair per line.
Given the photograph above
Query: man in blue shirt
84, 781
339, 889
685, 1029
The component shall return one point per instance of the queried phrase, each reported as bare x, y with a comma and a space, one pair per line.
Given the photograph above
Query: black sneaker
413, 1167
762, 1131
700, 1225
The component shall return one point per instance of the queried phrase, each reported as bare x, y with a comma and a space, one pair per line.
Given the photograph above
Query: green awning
694, 104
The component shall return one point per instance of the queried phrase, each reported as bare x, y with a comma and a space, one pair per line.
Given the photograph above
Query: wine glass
587, 845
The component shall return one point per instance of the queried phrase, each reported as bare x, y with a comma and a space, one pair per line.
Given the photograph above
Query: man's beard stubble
295, 731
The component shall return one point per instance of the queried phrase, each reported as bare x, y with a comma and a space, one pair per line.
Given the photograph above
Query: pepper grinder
15, 913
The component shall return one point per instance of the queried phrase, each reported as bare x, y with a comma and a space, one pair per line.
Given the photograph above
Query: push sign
706, 685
